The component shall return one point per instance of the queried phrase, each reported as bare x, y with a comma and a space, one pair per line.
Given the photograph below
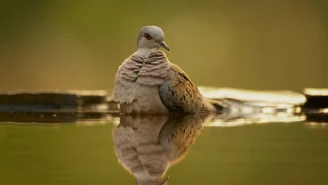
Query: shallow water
194, 149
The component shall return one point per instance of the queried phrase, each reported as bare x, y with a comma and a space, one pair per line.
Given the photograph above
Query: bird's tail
214, 105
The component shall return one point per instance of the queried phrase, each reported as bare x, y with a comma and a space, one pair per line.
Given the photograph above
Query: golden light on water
224, 121
279, 97
316, 125
316, 91
324, 110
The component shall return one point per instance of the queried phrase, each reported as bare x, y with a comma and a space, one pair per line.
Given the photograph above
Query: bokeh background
79, 44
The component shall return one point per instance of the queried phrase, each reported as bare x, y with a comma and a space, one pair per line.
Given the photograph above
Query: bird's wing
178, 93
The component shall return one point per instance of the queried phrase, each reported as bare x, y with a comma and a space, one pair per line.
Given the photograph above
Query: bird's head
151, 37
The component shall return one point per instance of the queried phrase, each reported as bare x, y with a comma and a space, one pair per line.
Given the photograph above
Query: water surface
195, 152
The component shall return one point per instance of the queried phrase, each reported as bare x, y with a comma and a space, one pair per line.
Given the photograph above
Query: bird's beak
163, 44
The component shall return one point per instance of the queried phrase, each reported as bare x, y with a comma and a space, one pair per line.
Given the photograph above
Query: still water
147, 149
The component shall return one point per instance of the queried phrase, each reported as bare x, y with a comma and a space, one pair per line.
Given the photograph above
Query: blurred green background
70, 44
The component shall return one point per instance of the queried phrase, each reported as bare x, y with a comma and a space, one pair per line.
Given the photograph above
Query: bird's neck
145, 51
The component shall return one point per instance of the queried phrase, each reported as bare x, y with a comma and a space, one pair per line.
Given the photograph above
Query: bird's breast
150, 70
137, 83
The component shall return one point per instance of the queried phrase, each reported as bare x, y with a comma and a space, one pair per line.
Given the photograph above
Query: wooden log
53, 101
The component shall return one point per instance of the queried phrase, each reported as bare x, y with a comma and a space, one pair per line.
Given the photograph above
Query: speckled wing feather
178, 93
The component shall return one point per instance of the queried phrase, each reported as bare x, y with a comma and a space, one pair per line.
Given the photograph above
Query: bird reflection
147, 145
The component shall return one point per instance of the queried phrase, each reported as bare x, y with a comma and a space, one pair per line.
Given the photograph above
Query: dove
148, 83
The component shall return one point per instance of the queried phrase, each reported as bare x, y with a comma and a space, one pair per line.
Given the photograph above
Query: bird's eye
147, 36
